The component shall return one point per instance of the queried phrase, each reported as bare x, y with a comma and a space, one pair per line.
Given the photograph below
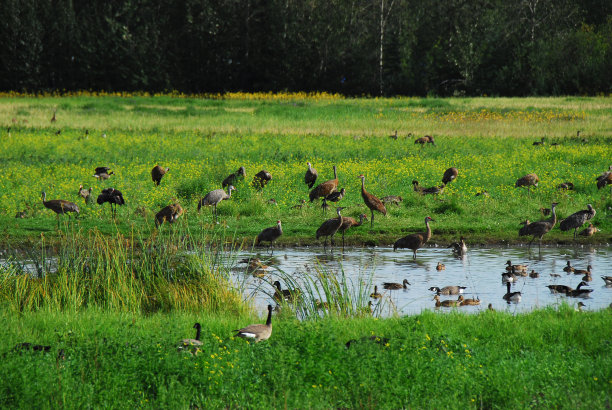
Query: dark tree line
355, 47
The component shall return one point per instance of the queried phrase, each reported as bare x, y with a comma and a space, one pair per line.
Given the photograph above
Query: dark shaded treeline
495, 47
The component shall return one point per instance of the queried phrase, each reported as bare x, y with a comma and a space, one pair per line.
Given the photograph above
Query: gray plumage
540, 228
329, 228
577, 219
59, 206
257, 332
214, 197
311, 176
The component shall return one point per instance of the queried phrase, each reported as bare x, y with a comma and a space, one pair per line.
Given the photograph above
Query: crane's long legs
372, 221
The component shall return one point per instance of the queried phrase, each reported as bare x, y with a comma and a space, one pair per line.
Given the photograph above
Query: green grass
548, 358
202, 140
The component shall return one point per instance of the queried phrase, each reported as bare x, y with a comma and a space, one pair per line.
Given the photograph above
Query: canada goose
517, 268
586, 271
569, 268
285, 294
508, 277
440, 266
375, 294
512, 296
258, 332
607, 280
383, 341
191, 345
534, 274
468, 302
578, 292
394, 285
446, 303
448, 290
559, 288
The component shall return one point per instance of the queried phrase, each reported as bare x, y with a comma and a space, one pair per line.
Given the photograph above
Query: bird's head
429, 218
415, 182
278, 222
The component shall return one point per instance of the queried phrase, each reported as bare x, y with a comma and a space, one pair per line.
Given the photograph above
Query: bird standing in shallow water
330, 227
416, 240
540, 228
270, 235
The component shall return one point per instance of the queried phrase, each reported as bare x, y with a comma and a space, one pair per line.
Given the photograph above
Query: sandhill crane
540, 228
168, 213
214, 197
524, 230
449, 175
605, 179
588, 231
85, 194
333, 197
325, 188
311, 176
371, 201
577, 219
231, 179
329, 228
427, 139
59, 206
261, 179
448, 290
102, 173
53, 118
528, 180
348, 222
434, 190
416, 240
157, 174
459, 248
392, 199
113, 197
270, 234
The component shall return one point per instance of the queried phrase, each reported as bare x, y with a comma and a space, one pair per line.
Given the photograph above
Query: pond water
479, 271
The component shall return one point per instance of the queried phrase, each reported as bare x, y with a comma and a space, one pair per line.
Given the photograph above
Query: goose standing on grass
192, 345
257, 332
511, 296
59, 206
214, 198
395, 285
415, 240
448, 290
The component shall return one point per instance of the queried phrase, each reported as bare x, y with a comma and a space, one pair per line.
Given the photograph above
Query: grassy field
551, 358
203, 140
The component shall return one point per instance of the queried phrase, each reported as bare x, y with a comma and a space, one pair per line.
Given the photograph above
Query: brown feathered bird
588, 231
392, 199
113, 197
333, 197
157, 173
329, 228
261, 179
427, 139
577, 219
59, 206
540, 228
102, 173
232, 178
528, 180
54, 119
168, 213
449, 175
348, 222
605, 179
270, 234
416, 240
257, 332
371, 201
311, 176
85, 194
434, 190
324, 189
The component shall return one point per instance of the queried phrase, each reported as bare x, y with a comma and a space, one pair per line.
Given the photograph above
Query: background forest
353, 47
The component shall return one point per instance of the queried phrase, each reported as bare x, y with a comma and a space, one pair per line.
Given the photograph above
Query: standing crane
59, 206
333, 197
113, 197
233, 177
528, 180
371, 201
577, 219
270, 235
214, 197
540, 228
330, 227
261, 179
348, 222
325, 188
416, 240
157, 174
449, 175
311, 176
168, 213
54, 119
605, 179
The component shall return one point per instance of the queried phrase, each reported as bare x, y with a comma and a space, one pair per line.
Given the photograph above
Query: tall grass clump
159, 273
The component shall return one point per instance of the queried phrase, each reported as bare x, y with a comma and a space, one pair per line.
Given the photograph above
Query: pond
479, 271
